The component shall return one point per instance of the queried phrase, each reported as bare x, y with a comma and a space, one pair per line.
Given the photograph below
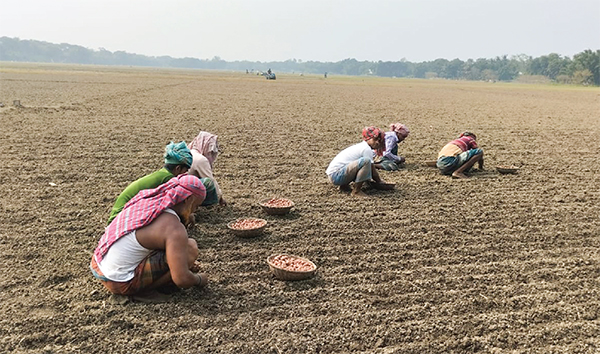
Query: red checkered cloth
146, 206
465, 143
376, 133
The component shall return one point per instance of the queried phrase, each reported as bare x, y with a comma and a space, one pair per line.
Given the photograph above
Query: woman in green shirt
178, 160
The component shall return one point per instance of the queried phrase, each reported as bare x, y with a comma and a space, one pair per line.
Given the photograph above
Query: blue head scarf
178, 154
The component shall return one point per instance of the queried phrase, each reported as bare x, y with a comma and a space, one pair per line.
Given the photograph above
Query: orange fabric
450, 150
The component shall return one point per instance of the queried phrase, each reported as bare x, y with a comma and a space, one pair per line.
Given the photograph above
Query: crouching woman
147, 246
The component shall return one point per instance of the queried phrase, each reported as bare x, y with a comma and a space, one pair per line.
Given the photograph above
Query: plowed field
493, 264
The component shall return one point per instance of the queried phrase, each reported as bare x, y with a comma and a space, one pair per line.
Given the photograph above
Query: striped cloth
465, 143
146, 206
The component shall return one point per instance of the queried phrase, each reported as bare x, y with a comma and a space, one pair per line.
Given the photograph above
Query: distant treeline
582, 69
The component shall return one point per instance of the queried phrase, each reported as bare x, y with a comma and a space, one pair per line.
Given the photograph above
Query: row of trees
583, 68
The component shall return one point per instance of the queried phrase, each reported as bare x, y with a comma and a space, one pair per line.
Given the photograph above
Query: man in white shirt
355, 163
147, 246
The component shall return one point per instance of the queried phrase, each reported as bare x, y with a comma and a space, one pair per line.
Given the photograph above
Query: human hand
191, 221
195, 268
202, 280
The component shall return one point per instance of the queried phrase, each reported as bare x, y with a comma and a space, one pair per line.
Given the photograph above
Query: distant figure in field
205, 149
147, 246
355, 163
459, 155
269, 75
325, 75
391, 161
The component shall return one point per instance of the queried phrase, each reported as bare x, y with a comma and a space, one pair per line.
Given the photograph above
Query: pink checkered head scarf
206, 144
400, 129
377, 134
146, 206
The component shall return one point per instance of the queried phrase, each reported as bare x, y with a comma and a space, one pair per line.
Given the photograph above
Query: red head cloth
400, 129
146, 206
377, 134
465, 142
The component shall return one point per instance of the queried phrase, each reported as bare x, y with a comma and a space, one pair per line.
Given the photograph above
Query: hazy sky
320, 30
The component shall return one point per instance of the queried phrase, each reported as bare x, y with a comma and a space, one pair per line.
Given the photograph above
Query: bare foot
459, 175
118, 299
345, 188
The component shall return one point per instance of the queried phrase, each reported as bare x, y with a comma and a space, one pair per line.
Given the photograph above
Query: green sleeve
147, 182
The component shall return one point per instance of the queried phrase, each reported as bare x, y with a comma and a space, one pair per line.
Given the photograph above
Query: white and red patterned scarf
146, 206
206, 144
400, 129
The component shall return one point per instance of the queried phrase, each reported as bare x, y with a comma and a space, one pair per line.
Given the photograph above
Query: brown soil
496, 263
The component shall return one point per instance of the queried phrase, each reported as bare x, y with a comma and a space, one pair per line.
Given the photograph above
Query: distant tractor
269, 75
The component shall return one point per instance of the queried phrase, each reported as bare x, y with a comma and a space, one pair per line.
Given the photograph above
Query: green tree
440, 67
588, 60
584, 68
583, 77
504, 68
392, 69
489, 75
521, 61
454, 69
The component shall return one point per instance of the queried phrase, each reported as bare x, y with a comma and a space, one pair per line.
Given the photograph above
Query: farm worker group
357, 164
178, 160
146, 246
141, 249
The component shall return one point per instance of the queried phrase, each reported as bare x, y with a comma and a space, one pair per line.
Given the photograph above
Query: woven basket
507, 169
247, 233
271, 210
283, 274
